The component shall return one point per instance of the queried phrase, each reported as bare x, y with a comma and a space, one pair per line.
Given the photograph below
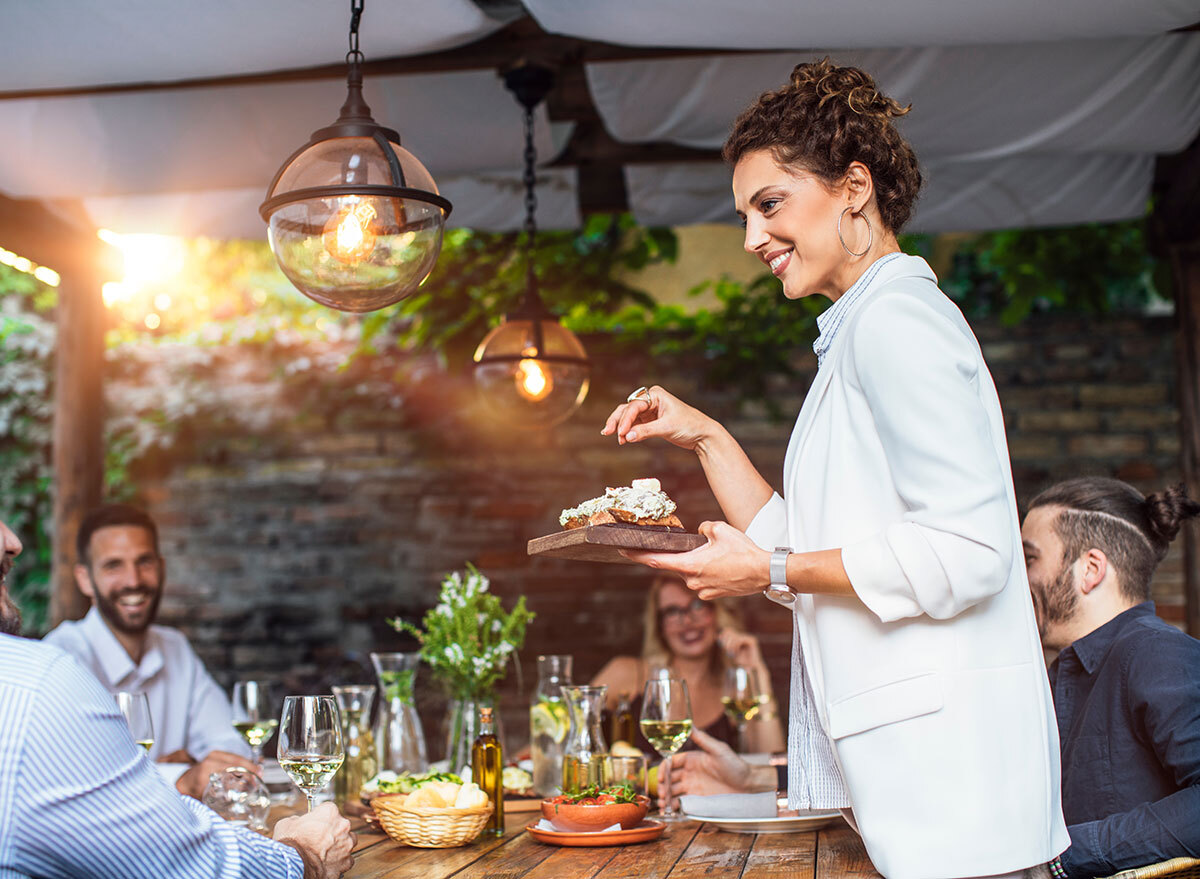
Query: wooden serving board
602, 543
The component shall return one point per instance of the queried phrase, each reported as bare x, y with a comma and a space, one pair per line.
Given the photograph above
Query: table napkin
549, 825
760, 805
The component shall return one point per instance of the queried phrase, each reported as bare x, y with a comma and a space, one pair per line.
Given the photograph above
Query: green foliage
1092, 269
26, 423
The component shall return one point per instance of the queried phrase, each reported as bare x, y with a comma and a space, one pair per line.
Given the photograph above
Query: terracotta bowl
581, 818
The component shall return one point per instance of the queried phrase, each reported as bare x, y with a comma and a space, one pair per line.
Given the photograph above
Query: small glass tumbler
631, 770
239, 796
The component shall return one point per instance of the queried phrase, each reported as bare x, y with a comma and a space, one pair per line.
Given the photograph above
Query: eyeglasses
674, 615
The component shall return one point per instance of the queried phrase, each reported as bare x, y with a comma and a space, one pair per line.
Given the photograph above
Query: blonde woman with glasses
697, 641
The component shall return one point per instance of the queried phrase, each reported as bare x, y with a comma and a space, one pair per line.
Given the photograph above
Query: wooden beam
1175, 236
59, 240
78, 428
521, 40
1176, 217
1185, 264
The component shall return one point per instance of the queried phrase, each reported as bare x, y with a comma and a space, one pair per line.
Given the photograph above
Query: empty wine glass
740, 698
136, 709
666, 723
252, 715
310, 742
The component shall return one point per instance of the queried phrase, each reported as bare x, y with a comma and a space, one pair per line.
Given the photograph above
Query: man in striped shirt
78, 798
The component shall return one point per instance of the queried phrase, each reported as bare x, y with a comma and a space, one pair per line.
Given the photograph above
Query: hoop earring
870, 235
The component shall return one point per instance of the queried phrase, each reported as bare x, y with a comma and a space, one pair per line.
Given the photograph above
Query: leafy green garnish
622, 793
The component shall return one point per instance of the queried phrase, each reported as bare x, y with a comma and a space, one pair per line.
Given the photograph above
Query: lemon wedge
549, 718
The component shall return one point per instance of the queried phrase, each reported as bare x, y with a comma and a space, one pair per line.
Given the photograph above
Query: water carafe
362, 762
549, 723
586, 759
398, 735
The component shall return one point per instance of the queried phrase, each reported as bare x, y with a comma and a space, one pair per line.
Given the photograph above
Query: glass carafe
361, 763
585, 758
549, 723
398, 734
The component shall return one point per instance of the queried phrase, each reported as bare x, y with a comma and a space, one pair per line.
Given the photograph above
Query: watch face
780, 595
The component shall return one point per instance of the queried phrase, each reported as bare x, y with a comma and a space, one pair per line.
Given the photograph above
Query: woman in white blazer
919, 695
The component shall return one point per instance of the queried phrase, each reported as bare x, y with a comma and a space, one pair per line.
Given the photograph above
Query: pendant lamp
354, 219
531, 371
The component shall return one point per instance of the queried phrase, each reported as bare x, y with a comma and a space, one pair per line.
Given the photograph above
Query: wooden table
686, 850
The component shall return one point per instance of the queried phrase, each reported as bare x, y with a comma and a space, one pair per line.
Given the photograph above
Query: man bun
824, 119
1166, 511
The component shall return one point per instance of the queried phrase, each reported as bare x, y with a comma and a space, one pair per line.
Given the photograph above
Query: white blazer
931, 684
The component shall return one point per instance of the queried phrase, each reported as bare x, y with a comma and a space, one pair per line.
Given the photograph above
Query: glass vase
398, 734
462, 727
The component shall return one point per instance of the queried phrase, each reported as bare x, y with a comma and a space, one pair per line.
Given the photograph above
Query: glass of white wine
666, 722
136, 709
740, 698
252, 715
310, 742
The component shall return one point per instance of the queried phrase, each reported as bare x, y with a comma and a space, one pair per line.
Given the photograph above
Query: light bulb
533, 380
350, 235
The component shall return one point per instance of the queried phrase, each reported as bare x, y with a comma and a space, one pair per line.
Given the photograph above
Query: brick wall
297, 517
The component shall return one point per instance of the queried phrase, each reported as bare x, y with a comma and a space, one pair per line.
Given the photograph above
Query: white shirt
189, 711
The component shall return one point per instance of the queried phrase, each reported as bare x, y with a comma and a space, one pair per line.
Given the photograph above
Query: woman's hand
741, 647
729, 564
662, 415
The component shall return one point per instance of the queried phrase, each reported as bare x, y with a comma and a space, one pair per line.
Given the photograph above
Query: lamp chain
530, 180
356, 11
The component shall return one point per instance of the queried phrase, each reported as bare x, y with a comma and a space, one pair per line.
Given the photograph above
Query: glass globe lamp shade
528, 387
345, 232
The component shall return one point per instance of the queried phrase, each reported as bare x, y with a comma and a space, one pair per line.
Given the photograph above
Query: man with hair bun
1126, 685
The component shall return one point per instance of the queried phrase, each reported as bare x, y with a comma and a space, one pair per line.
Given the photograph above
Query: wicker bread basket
426, 827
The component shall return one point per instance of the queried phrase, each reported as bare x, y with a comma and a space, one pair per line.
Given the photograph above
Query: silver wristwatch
779, 591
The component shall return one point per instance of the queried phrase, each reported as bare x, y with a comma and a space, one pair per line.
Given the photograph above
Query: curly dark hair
825, 118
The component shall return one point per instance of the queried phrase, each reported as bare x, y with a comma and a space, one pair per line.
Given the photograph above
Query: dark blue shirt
1127, 698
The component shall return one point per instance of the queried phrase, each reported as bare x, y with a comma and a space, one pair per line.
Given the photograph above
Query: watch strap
779, 591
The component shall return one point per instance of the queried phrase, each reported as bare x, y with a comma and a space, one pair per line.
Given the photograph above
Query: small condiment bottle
623, 725
487, 770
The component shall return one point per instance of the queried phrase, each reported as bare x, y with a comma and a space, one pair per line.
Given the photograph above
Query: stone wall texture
297, 516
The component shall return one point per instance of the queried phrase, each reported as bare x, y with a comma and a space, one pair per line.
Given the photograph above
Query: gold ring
642, 393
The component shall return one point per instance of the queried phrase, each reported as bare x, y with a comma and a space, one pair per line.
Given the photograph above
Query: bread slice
643, 503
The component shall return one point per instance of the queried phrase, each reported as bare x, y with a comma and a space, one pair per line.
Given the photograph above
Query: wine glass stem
741, 738
256, 754
312, 800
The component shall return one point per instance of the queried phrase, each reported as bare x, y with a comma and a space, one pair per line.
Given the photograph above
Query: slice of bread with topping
641, 503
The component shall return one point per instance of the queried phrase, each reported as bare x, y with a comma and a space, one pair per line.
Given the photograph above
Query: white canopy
1024, 112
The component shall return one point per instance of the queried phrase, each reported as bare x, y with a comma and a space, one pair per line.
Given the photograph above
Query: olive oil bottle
487, 770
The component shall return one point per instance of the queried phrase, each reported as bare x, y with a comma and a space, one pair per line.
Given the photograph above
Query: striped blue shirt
78, 798
831, 319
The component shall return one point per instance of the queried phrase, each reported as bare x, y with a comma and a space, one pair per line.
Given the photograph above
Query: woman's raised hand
656, 413
741, 647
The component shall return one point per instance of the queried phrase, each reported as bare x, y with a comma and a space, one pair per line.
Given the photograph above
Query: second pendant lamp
531, 371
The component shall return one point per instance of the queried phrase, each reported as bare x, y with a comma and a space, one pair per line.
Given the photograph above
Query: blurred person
120, 569
696, 640
919, 699
80, 799
1126, 684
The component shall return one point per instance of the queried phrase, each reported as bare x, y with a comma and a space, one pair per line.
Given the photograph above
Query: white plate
805, 821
